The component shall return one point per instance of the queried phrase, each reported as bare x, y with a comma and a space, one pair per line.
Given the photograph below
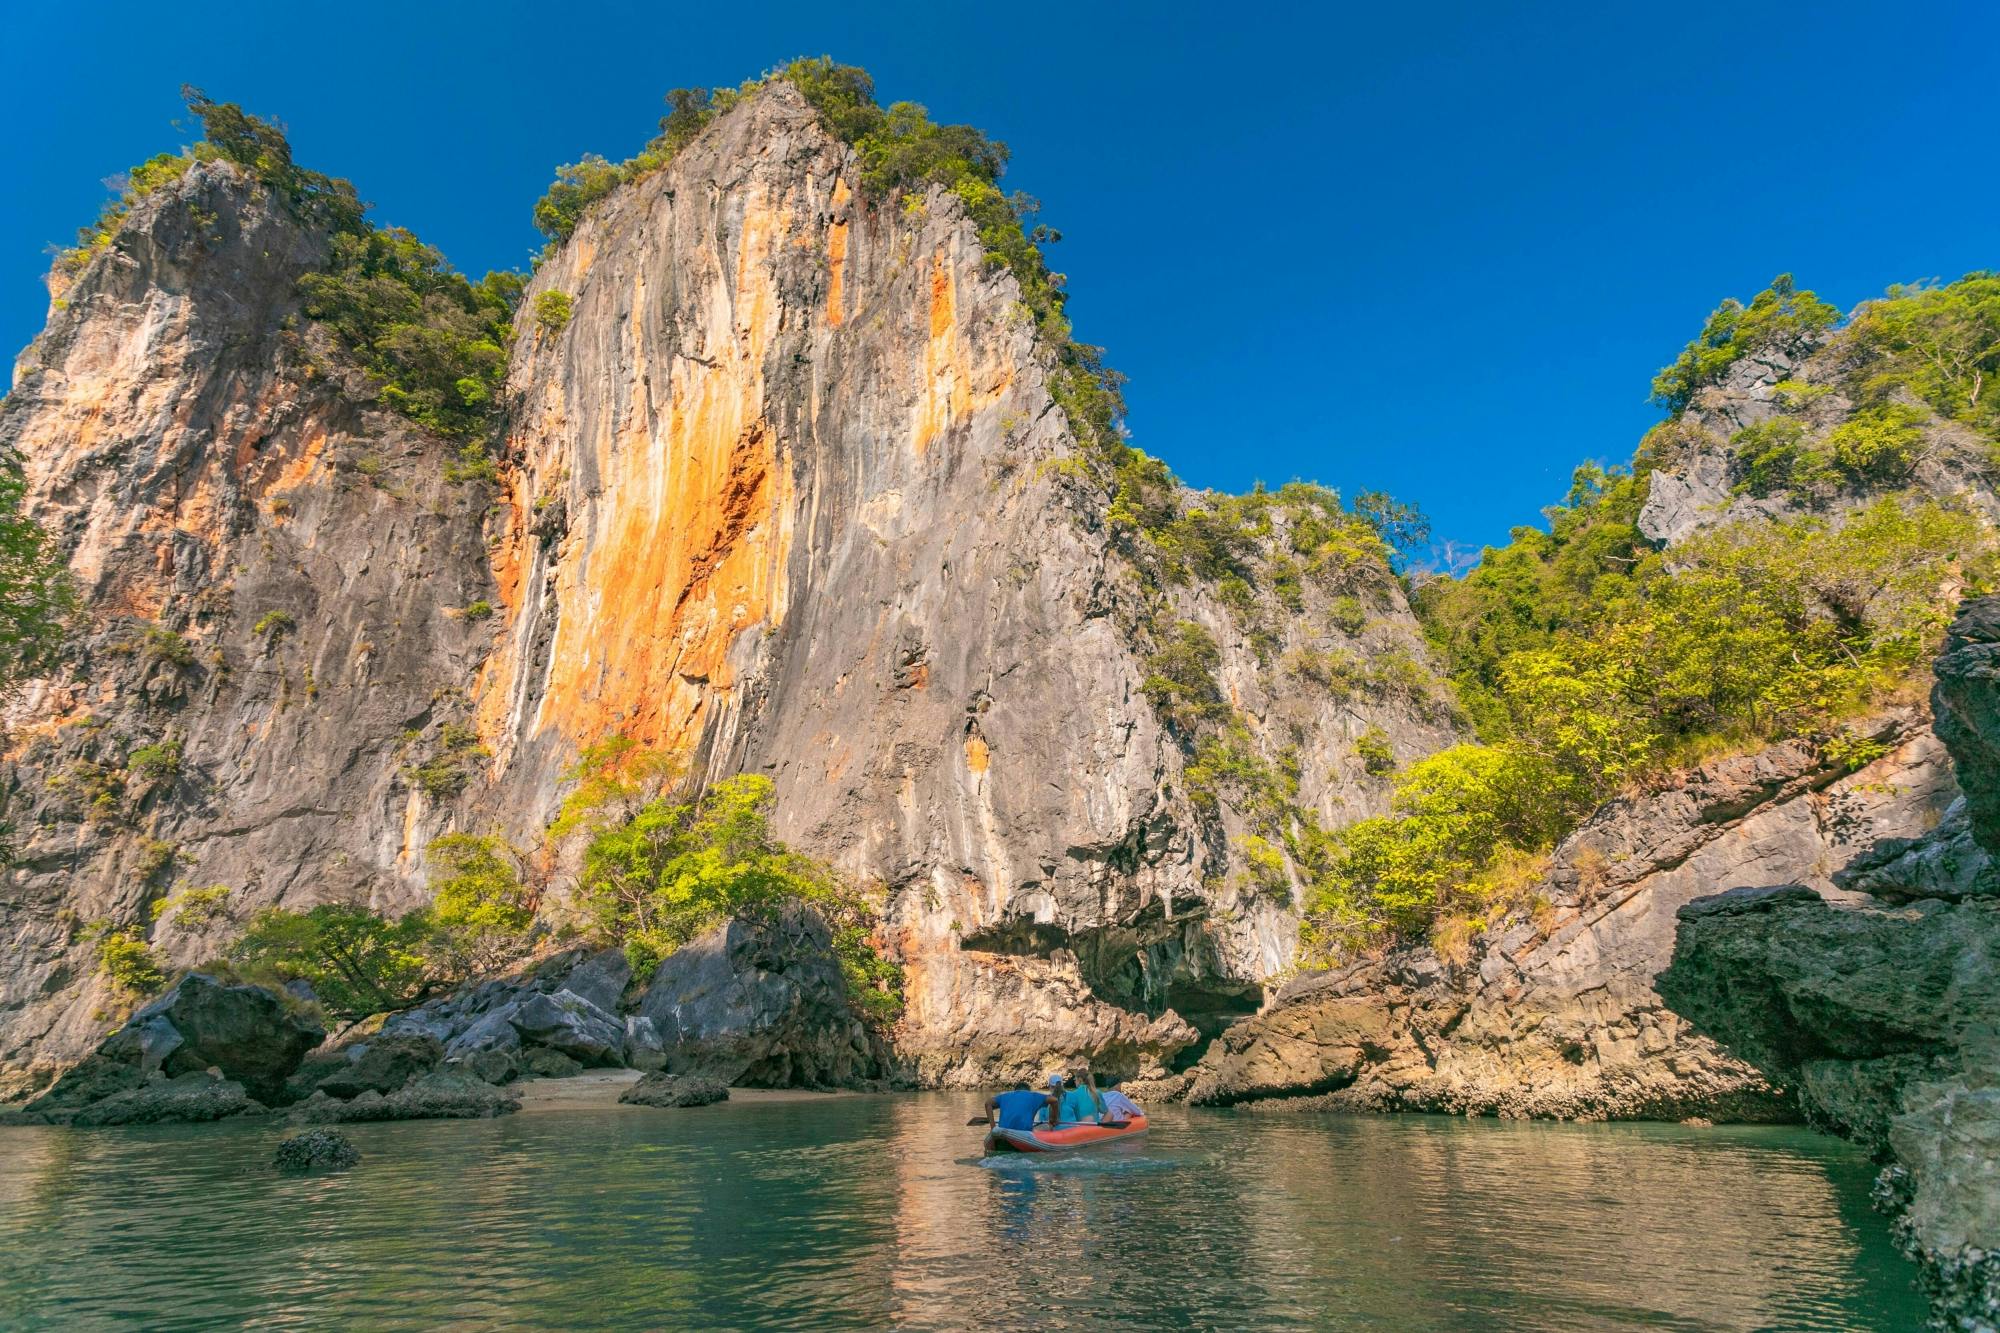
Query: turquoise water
876, 1211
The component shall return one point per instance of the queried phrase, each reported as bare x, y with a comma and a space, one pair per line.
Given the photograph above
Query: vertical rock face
1886, 1020
1966, 702
787, 494
792, 498
269, 567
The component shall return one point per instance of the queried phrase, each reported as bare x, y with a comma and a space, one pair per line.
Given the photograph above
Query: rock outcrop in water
1885, 1019
788, 492
760, 1003
314, 1150
674, 1090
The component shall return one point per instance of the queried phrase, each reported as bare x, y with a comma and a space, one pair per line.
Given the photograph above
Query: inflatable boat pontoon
1064, 1138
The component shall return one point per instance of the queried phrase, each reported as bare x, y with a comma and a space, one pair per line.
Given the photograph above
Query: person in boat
1020, 1107
1118, 1108
1057, 1089
1080, 1104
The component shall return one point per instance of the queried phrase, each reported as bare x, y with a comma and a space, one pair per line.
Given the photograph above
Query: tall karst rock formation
787, 494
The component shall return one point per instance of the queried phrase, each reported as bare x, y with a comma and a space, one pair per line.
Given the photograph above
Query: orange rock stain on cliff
836, 262
953, 388
683, 547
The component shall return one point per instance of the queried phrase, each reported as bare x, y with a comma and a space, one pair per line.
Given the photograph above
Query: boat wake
1094, 1163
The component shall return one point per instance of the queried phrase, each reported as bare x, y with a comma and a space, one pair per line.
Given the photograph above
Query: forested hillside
1594, 658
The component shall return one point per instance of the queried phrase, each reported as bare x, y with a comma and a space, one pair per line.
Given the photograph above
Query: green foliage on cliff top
1780, 316
433, 340
901, 149
1592, 664
1941, 343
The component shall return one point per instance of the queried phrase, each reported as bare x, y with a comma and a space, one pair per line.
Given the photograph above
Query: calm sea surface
876, 1211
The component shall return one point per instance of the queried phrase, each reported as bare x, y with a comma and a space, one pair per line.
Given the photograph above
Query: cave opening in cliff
1148, 966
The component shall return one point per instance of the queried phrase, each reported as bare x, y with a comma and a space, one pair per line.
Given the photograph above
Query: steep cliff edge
270, 567
787, 492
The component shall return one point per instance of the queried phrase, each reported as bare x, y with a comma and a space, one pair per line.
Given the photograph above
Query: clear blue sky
1438, 251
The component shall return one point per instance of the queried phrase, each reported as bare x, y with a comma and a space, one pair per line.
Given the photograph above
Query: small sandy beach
600, 1089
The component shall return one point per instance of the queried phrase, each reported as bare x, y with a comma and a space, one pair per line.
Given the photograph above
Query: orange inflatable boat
1064, 1138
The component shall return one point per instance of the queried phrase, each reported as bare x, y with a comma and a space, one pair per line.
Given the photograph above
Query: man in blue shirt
1016, 1109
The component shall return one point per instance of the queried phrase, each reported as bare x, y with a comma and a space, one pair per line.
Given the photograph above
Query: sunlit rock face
271, 569
792, 498
788, 494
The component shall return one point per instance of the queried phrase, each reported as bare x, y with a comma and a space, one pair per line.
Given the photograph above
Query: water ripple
878, 1211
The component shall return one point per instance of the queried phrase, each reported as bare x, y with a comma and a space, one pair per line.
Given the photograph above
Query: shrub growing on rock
662, 862
125, 958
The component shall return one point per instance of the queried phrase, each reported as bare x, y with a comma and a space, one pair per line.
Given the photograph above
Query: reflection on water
872, 1211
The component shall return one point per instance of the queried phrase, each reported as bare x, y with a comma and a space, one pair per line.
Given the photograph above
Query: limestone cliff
271, 567
788, 493
1882, 1018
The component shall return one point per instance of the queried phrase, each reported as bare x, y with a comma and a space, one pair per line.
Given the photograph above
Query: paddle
980, 1120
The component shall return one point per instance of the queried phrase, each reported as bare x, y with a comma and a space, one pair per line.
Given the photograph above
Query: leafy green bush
158, 762
1181, 678
1394, 875
1940, 342
163, 646
432, 339
659, 870
479, 610
356, 962
37, 594
1874, 449
678, 866
577, 186
480, 909
552, 311
274, 625
1878, 447
1780, 316
125, 958
435, 341
473, 464
1597, 669
1336, 670
194, 910
142, 180
1376, 754
444, 774
153, 857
